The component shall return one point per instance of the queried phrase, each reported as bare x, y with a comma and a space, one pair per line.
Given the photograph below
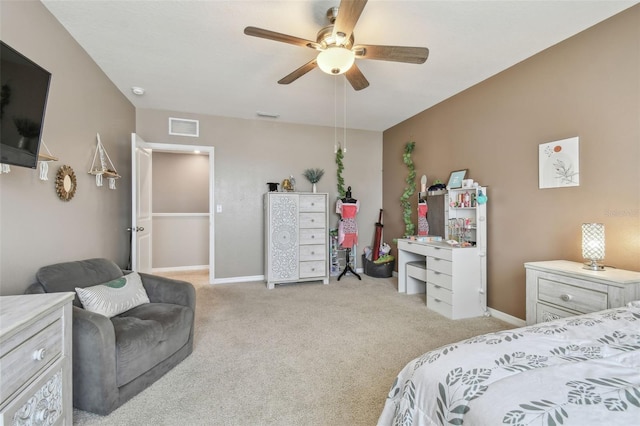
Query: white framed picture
559, 163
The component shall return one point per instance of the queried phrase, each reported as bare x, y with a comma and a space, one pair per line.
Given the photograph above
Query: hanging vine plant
409, 227
339, 157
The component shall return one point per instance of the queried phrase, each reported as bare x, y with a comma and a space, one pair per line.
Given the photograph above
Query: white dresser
560, 288
35, 359
453, 276
296, 237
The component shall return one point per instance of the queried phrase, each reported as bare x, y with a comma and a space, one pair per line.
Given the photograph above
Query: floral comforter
582, 370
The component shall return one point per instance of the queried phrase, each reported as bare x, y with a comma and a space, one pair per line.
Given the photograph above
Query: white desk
453, 278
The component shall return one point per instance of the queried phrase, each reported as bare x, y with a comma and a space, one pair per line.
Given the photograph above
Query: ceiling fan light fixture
336, 60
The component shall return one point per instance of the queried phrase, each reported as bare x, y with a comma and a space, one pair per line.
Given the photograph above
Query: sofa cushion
67, 276
114, 297
147, 335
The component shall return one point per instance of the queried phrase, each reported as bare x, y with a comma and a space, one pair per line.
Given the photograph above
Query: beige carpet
301, 354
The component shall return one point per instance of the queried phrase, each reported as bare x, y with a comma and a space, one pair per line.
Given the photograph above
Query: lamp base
593, 266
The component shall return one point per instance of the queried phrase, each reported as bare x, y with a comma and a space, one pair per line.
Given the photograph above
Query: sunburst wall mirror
66, 183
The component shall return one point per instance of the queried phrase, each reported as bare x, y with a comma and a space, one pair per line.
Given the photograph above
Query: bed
581, 370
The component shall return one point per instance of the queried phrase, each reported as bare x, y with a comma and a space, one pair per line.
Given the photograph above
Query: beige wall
587, 86
36, 228
250, 153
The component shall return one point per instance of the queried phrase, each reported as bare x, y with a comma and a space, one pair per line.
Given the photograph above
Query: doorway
182, 212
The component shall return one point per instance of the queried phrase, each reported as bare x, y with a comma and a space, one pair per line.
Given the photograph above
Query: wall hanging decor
559, 163
66, 183
44, 160
409, 227
102, 166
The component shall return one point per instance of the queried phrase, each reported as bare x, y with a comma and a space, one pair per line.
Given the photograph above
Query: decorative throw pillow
634, 304
114, 297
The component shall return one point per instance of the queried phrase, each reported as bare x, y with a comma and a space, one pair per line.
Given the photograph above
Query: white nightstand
560, 288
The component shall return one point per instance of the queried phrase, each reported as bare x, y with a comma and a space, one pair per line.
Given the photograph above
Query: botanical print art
559, 163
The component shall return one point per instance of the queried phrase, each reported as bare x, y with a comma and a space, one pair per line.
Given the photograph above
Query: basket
378, 270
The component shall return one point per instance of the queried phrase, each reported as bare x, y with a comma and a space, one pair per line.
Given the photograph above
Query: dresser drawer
579, 299
29, 358
312, 220
546, 313
312, 236
312, 203
439, 306
313, 252
439, 252
313, 269
439, 265
439, 293
439, 279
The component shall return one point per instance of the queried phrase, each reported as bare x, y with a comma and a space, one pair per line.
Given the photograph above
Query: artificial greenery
313, 175
409, 227
339, 157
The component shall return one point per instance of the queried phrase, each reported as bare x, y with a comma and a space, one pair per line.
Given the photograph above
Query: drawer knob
313, 236
566, 297
39, 354
436, 300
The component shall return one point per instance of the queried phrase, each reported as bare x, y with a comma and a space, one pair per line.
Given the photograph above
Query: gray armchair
116, 358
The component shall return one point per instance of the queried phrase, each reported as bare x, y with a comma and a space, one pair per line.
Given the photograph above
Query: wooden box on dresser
35, 359
296, 237
560, 288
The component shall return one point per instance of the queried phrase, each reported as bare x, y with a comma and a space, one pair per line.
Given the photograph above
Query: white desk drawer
439, 279
312, 236
413, 247
439, 252
312, 203
439, 293
313, 252
439, 265
312, 269
440, 306
571, 297
312, 220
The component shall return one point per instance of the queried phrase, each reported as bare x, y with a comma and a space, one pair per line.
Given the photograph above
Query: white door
141, 156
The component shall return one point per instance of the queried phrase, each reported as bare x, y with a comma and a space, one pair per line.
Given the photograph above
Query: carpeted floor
301, 354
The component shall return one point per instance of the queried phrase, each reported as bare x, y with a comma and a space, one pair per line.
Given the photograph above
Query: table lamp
593, 245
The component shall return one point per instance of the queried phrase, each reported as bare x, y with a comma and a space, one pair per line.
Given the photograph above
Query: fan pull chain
344, 135
335, 117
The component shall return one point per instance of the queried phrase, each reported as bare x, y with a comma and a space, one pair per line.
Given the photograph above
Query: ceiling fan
337, 51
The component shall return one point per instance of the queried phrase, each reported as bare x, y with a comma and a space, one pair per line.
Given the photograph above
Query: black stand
348, 267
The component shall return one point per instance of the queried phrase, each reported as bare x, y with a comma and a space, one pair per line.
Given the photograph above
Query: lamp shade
336, 60
593, 241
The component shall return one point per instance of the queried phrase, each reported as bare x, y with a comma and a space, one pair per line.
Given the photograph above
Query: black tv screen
24, 89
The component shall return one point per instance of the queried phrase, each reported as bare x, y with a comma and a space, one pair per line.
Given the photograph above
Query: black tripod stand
348, 268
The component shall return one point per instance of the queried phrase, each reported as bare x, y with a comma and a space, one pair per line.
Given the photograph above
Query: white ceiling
192, 56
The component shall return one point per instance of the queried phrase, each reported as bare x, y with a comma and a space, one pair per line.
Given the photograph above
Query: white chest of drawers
35, 359
296, 237
560, 288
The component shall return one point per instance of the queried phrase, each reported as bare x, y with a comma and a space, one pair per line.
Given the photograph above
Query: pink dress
347, 228
423, 225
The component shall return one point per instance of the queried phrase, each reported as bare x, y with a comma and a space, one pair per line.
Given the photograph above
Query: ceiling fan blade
284, 38
412, 55
356, 78
349, 12
299, 72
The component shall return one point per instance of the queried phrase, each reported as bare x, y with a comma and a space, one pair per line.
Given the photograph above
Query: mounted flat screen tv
24, 89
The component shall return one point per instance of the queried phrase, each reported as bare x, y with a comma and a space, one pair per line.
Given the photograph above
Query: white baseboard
507, 318
232, 280
182, 268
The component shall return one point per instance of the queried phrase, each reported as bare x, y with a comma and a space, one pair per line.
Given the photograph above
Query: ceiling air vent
184, 127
